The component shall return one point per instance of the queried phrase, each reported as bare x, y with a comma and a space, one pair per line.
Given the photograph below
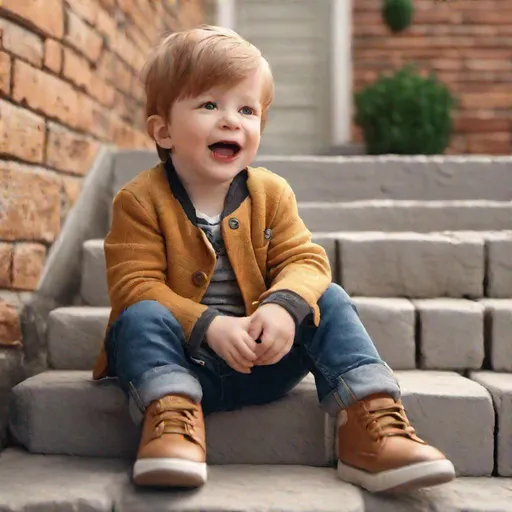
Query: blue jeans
146, 351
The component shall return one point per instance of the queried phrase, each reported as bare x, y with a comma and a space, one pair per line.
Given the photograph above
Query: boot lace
176, 419
389, 421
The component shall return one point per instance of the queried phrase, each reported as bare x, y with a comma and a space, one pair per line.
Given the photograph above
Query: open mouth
225, 149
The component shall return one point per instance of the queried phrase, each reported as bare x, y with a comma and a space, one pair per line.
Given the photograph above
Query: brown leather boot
379, 450
172, 449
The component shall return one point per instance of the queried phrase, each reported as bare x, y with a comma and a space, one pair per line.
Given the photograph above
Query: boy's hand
276, 329
227, 336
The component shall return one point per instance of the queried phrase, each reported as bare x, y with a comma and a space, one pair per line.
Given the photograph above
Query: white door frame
341, 64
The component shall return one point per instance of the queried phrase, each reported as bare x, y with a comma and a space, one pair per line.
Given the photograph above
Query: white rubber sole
169, 473
415, 476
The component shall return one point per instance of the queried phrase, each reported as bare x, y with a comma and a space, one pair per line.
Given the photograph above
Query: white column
341, 67
226, 13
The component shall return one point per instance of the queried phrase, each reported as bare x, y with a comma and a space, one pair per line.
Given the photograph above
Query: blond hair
188, 63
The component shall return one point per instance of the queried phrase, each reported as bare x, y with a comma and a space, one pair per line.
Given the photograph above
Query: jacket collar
237, 192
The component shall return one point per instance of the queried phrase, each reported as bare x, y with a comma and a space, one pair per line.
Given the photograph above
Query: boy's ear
158, 129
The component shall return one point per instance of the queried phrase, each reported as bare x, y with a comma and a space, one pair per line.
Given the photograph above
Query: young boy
219, 297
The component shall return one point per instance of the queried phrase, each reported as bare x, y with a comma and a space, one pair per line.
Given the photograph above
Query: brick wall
468, 44
68, 81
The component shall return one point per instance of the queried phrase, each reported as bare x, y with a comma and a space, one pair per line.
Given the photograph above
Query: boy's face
216, 134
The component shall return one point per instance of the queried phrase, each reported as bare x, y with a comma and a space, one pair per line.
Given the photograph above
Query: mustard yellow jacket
156, 251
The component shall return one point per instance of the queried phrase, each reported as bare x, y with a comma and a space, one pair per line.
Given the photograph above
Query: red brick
31, 203
475, 124
46, 15
110, 5
53, 55
45, 93
83, 38
489, 144
140, 39
10, 327
127, 51
101, 91
22, 43
71, 191
5, 265
94, 118
123, 76
27, 265
490, 100
105, 67
77, 69
458, 145
498, 17
69, 151
106, 25
22, 133
475, 64
86, 9
5, 73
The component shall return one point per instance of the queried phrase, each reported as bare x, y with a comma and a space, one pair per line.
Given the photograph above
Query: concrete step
75, 334
11, 373
405, 215
415, 216
64, 412
458, 264
500, 387
315, 178
103, 485
452, 334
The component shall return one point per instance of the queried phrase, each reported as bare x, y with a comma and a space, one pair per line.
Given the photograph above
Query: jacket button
199, 278
234, 224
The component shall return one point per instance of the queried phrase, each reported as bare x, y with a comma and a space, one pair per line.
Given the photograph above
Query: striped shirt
223, 293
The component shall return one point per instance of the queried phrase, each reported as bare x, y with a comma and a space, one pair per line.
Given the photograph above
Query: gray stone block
315, 178
500, 387
94, 290
455, 415
11, 373
412, 265
391, 325
498, 333
254, 489
75, 336
63, 412
499, 265
451, 334
461, 495
61, 484
41, 483
129, 163
328, 242
415, 216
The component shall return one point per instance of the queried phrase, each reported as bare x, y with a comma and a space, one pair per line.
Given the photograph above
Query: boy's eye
247, 111
209, 105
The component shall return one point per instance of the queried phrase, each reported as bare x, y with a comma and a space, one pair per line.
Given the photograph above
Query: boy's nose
230, 121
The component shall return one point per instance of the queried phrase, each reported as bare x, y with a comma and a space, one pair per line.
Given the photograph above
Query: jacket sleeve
136, 260
298, 269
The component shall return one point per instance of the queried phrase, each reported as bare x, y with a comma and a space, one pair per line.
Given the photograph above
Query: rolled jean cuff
356, 384
158, 382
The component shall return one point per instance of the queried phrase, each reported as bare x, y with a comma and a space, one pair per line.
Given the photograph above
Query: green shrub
397, 14
405, 114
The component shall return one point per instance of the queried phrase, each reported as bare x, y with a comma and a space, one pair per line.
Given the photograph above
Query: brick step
447, 334
103, 485
458, 264
64, 412
315, 178
414, 216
